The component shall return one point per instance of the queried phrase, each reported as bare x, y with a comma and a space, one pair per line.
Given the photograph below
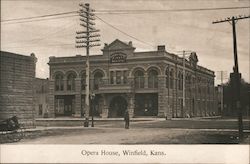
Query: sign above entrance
118, 58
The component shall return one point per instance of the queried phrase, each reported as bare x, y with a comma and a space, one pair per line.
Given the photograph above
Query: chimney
161, 48
130, 43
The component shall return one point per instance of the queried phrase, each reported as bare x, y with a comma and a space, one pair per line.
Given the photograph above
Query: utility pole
86, 39
184, 53
236, 71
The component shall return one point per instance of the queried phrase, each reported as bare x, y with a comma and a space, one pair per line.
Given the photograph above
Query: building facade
41, 89
17, 74
148, 84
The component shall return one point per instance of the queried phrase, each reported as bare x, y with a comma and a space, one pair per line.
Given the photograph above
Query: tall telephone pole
236, 71
184, 53
86, 39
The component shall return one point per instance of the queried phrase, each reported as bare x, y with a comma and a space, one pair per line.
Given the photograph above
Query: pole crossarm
231, 19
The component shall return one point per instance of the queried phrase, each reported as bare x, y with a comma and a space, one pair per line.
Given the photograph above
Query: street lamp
92, 97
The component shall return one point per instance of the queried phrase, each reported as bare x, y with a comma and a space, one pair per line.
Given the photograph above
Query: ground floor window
146, 104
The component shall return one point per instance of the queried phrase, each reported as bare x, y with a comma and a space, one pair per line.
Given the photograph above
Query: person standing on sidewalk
126, 119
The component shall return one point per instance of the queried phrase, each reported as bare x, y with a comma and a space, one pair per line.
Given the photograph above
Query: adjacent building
148, 84
41, 89
17, 74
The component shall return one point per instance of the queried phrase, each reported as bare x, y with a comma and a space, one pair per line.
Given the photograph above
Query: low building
41, 88
17, 74
146, 83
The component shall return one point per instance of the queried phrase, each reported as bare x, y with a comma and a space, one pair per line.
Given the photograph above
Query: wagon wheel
15, 136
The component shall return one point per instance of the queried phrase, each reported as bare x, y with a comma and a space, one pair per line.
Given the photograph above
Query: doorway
117, 107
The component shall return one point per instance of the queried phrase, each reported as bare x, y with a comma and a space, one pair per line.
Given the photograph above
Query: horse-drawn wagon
11, 130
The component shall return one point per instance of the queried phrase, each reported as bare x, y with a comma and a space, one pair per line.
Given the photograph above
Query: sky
178, 31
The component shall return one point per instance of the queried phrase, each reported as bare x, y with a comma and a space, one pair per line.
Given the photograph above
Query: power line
37, 20
117, 12
171, 10
45, 36
124, 32
48, 45
41, 16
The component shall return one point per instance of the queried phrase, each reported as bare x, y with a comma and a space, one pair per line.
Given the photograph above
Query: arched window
97, 79
71, 82
139, 79
199, 85
167, 78
83, 80
171, 79
59, 82
208, 87
180, 80
153, 79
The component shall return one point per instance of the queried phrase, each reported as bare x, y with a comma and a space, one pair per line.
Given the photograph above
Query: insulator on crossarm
94, 35
94, 40
84, 25
80, 32
81, 37
95, 30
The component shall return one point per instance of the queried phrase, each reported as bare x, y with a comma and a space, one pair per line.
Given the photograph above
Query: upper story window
208, 87
171, 79
153, 79
112, 78
71, 82
180, 81
83, 80
139, 79
118, 77
167, 78
97, 79
125, 77
59, 82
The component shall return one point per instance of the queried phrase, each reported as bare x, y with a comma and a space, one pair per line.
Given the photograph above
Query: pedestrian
126, 119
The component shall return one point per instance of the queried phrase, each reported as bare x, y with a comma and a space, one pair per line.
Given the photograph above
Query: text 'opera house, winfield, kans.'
146, 83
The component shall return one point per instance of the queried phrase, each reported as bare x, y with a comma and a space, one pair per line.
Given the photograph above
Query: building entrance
117, 107
146, 104
64, 105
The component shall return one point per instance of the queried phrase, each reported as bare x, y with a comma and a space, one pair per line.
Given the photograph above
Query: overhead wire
40, 16
123, 32
45, 36
117, 12
66, 14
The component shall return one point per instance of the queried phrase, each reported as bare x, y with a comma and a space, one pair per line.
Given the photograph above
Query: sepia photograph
125, 81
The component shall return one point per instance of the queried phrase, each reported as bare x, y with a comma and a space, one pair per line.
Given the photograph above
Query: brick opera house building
146, 83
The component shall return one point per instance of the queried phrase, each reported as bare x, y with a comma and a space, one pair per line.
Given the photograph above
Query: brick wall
17, 73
